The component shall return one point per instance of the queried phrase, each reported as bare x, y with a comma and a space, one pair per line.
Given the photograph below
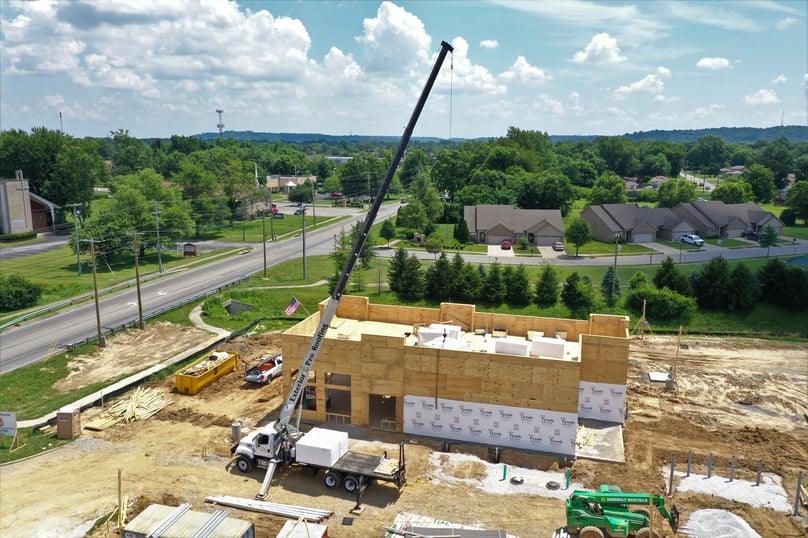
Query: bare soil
734, 397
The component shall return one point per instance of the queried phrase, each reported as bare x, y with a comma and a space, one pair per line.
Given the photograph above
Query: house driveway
497, 252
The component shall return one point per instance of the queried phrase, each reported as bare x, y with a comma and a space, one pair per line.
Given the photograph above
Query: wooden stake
120, 499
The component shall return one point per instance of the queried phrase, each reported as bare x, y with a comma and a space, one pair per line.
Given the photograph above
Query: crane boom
282, 426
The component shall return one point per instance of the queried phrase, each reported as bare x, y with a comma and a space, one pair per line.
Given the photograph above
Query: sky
158, 68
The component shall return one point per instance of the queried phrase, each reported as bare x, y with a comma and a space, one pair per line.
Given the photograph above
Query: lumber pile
277, 509
140, 405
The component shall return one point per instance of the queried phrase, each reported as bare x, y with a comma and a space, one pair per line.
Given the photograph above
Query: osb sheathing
390, 364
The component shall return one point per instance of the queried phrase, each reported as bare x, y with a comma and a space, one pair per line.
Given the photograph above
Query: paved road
33, 340
36, 339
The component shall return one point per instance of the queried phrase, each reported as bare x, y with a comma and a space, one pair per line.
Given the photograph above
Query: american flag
293, 306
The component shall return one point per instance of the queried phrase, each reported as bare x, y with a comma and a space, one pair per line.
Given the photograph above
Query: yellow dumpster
205, 371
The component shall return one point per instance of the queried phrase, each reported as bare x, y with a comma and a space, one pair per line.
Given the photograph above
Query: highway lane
36, 339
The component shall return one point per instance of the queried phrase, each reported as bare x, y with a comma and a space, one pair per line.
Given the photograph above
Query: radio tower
220, 125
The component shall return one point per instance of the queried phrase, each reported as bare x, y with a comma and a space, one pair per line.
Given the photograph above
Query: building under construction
458, 374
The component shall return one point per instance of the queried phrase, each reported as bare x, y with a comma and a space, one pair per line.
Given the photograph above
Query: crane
284, 431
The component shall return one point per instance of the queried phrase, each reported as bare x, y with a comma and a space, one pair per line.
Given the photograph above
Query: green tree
17, 293
451, 170
711, 284
439, 277
777, 158
461, 231
412, 284
769, 238
578, 233
424, 192
457, 267
745, 289
708, 150
797, 200
783, 285
733, 192
638, 280
415, 164
387, 231
468, 284
577, 294
620, 153
434, 244
395, 269
609, 188
362, 175
412, 216
761, 179
494, 288
547, 286
663, 304
610, 286
517, 285
200, 189
676, 191
668, 276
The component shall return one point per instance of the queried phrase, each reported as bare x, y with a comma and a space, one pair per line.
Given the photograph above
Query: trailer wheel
332, 479
645, 532
590, 532
643, 511
350, 483
244, 465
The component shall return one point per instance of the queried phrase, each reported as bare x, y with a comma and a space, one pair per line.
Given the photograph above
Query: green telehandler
609, 512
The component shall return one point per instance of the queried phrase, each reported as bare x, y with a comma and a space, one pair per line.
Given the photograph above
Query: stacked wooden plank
284, 510
142, 404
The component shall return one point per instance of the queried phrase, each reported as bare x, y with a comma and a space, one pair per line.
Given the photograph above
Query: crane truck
590, 513
267, 446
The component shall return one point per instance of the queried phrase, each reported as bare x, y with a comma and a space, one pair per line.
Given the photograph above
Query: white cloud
704, 112
468, 77
602, 49
489, 44
54, 100
551, 105
653, 84
788, 22
718, 14
762, 97
522, 71
780, 79
574, 102
395, 40
713, 63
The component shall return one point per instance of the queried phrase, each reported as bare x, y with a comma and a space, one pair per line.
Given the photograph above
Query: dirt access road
181, 454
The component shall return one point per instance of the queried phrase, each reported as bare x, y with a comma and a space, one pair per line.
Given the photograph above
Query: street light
617, 248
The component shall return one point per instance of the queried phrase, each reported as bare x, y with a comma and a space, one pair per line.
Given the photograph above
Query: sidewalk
123, 384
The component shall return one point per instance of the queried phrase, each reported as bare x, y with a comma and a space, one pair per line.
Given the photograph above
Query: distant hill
733, 135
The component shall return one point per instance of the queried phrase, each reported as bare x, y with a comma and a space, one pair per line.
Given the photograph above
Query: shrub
17, 293
662, 304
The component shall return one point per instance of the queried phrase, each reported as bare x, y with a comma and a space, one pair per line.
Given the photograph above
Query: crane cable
451, 93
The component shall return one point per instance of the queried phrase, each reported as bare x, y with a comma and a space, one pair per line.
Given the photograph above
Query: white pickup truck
267, 369
692, 239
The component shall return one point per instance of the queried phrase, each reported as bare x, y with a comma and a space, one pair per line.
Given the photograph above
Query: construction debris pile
142, 404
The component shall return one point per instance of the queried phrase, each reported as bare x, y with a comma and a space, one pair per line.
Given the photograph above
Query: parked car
267, 369
300, 210
558, 245
752, 235
506, 244
692, 239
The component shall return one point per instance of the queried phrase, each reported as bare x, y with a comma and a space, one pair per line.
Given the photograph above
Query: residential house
717, 219
491, 224
656, 181
737, 170
635, 224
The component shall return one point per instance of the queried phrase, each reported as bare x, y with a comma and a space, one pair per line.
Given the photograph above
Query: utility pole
76, 229
101, 340
271, 213
264, 237
159, 255
313, 210
135, 245
304, 243
614, 274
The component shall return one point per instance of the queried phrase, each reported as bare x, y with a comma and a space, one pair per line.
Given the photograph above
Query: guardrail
106, 331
